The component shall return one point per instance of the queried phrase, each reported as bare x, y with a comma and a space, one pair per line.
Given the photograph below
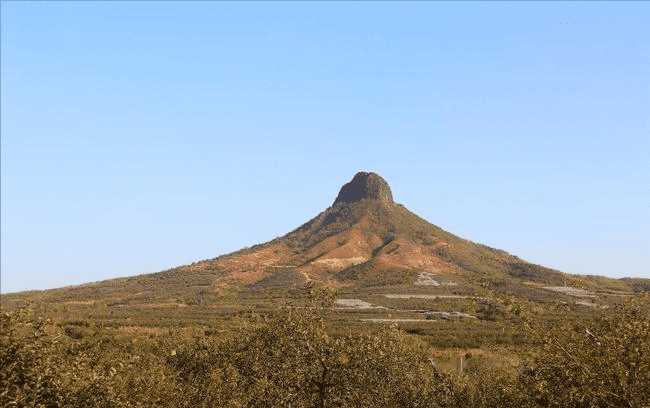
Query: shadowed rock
365, 186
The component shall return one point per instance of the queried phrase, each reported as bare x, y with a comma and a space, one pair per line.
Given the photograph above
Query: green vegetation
291, 358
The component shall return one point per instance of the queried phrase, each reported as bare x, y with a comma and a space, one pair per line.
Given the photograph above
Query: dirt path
432, 297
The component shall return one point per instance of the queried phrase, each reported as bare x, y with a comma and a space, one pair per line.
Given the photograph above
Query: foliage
46, 366
29, 365
602, 364
289, 359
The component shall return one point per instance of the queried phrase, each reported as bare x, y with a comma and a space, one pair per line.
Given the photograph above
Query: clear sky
140, 136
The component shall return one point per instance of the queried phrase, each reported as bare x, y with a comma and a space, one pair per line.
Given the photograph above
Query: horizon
138, 137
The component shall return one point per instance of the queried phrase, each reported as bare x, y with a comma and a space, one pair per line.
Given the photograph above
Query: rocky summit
365, 186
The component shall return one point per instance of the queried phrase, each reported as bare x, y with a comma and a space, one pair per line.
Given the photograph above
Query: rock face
369, 186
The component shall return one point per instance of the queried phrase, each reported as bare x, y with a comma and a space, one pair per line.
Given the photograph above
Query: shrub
604, 364
28, 359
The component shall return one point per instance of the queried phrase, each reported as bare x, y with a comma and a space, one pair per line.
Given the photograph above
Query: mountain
384, 261
366, 239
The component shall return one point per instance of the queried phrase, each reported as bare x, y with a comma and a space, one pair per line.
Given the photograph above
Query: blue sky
140, 136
